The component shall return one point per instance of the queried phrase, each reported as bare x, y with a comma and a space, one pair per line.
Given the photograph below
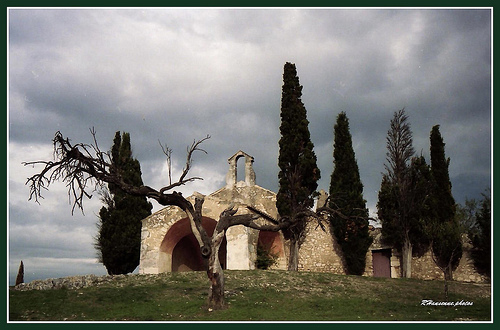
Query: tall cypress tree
439, 167
346, 196
119, 238
445, 230
402, 196
299, 173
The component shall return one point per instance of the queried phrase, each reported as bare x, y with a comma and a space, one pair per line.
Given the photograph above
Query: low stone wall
321, 253
426, 269
71, 283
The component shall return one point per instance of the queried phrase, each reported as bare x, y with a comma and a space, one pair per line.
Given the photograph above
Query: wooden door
382, 263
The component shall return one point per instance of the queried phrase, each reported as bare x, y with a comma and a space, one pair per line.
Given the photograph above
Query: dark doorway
180, 251
186, 255
381, 263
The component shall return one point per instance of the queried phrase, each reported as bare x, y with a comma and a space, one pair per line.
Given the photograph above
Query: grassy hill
255, 295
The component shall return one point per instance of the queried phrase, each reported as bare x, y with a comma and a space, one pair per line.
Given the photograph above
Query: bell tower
232, 174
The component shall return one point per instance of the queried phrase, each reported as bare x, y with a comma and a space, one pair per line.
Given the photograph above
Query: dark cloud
176, 75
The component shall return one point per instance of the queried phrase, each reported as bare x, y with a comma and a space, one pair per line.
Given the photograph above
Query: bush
265, 258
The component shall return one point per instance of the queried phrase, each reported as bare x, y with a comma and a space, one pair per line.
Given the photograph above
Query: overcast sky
176, 75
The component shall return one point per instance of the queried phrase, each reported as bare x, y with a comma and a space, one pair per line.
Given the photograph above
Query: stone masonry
167, 243
165, 230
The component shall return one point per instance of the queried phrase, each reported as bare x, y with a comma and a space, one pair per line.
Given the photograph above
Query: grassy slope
255, 295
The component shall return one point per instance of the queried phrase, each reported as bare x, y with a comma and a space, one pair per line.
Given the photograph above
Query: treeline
415, 203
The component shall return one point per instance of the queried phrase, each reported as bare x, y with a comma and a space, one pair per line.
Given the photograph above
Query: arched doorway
180, 251
186, 255
271, 243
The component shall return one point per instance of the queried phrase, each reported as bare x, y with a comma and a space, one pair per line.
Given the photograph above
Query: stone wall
162, 230
70, 283
153, 231
465, 270
426, 269
320, 252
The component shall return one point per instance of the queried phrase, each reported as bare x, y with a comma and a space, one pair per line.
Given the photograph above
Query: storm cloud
176, 75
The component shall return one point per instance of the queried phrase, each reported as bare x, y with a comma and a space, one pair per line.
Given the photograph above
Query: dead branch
228, 218
168, 152
189, 160
263, 215
84, 168
72, 166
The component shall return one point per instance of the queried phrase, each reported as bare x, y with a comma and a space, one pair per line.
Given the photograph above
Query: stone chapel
168, 244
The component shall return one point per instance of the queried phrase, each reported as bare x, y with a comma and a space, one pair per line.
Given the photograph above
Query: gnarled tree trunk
228, 218
215, 274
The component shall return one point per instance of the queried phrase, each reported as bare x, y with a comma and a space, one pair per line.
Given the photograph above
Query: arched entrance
271, 242
180, 251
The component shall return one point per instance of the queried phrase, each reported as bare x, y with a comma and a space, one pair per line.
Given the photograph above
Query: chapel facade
168, 245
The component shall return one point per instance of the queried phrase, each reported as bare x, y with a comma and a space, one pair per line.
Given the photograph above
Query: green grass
254, 295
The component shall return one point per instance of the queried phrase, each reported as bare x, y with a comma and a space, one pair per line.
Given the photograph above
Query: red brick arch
272, 241
180, 248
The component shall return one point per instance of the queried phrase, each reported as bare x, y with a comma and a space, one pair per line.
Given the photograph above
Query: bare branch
228, 218
168, 152
194, 147
189, 160
263, 215
71, 166
329, 211
106, 197
84, 168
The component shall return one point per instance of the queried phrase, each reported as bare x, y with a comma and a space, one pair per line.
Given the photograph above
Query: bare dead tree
84, 168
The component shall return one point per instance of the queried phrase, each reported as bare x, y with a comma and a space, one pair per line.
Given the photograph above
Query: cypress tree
481, 240
445, 230
346, 196
119, 238
298, 173
20, 274
402, 200
439, 167
420, 209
